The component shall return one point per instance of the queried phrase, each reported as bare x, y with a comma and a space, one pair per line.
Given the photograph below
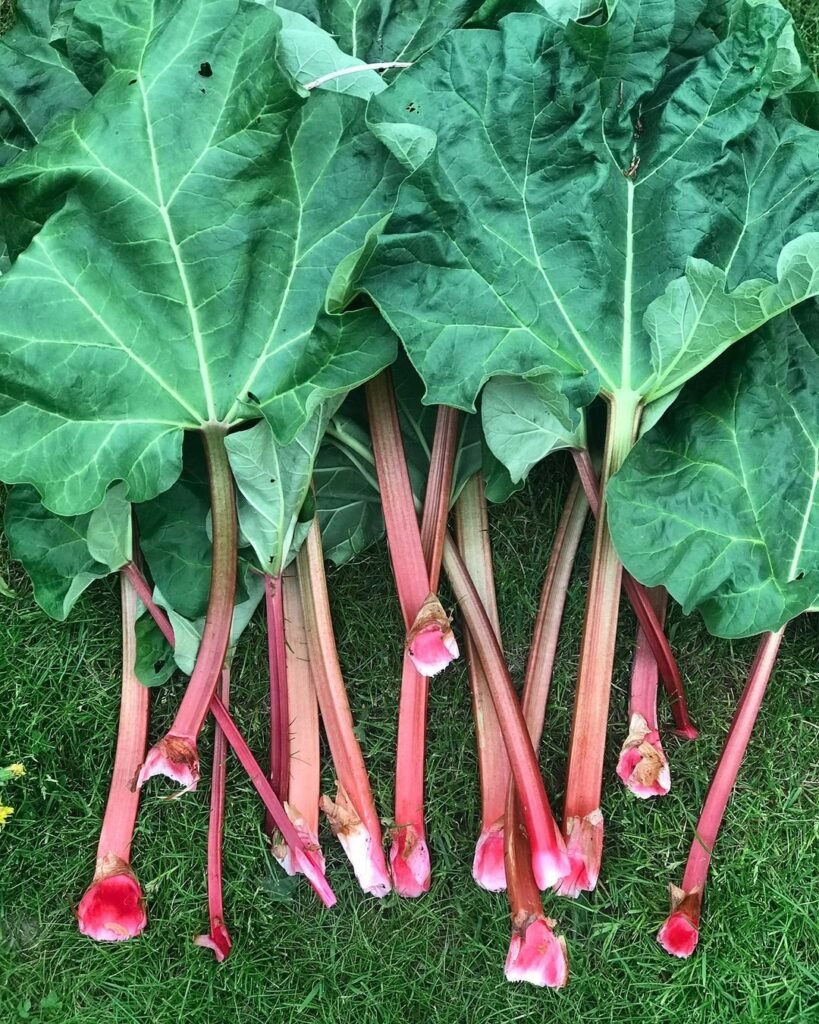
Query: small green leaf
109, 535
154, 661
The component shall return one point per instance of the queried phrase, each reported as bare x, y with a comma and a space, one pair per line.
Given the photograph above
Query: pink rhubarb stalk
416, 561
218, 938
352, 814
113, 907
646, 616
548, 850
642, 765
304, 782
472, 534
680, 933
535, 954
176, 755
277, 667
582, 817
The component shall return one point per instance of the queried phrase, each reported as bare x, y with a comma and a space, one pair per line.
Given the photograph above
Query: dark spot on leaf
800, 575
202, 91
252, 398
272, 480
159, 665
411, 108
205, 70
133, 82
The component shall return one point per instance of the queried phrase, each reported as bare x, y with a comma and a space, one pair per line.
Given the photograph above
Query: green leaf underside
154, 658
176, 239
720, 501
521, 245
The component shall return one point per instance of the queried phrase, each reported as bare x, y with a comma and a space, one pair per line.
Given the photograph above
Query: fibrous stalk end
431, 644
409, 861
680, 933
488, 866
643, 766
290, 861
113, 907
218, 941
175, 757
584, 846
536, 954
358, 844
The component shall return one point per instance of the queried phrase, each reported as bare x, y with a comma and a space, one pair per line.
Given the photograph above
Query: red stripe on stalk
277, 668
113, 907
680, 933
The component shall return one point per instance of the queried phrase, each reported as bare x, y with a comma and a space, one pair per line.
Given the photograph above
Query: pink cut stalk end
488, 867
357, 843
290, 861
689, 732
643, 766
584, 846
681, 932
218, 941
175, 757
431, 644
113, 907
537, 955
409, 861
551, 863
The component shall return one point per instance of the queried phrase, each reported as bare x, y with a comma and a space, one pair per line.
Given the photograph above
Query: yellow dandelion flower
16, 770
5, 814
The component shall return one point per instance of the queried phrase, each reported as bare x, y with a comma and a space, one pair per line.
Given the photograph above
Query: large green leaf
720, 501
587, 211
176, 237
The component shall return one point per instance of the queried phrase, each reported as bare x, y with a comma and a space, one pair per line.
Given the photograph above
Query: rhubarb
277, 668
176, 755
642, 765
680, 933
352, 814
304, 778
472, 533
218, 938
113, 907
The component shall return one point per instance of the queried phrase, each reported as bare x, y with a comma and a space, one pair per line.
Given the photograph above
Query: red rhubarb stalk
306, 860
548, 851
176, 755
582, 817
352, 814
277, 667
218, 938
113, 907
535, 954
472, 533
642, 765
680, 933
304, 782
416, 556
646, 616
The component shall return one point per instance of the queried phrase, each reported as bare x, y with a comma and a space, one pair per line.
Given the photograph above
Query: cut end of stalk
431, 644
363, 853
536, 954
689, 732
409, 860
643, 766
681, 932
218, 941
584, 846
550, 863
488, 866
284, 855
175, 757
113, 907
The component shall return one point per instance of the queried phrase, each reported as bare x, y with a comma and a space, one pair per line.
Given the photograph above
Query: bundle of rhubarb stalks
280, 284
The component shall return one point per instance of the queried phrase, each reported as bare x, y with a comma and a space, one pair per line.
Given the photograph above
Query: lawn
438, 959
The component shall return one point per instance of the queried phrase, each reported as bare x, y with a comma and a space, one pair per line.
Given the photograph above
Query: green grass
437, 960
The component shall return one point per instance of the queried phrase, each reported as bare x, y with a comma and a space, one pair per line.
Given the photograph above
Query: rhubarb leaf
109, 535
720, 501
595, 206
174, 239
154, 663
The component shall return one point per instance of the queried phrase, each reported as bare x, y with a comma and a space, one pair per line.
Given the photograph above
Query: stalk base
584, 846
488, 867
536, 954
409, 861
218, 941
365, 856
286, 857
643, 766
551, 861
680, 933
431, 644
113, 907
175, 757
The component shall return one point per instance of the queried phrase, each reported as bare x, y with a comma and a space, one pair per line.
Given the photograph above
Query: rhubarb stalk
218, 938
176, 755
304, 781
113, 907
680, 933
582, 817
352, 814
535, 954
642, 765
472, 533
548, 850
277, 667
416, 560
646, 616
